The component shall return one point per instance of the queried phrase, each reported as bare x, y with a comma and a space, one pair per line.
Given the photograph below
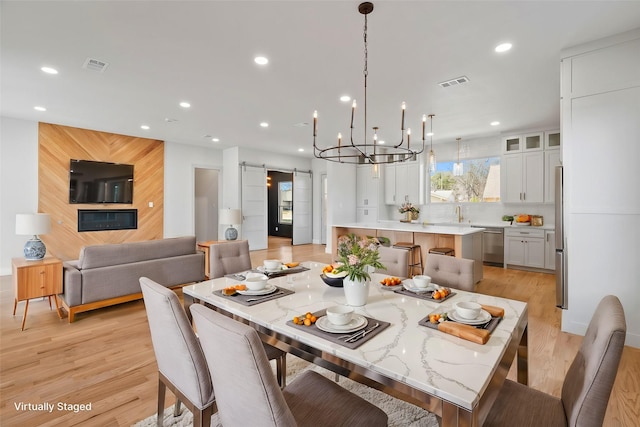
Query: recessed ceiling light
429, 133
264, 124
495, 123
184, 104
215, 139
503, 47
145, 127
49, 70
261, 60
301, 149
39, 108
345, 98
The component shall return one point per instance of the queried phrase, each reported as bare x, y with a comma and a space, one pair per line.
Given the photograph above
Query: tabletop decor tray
333, 337
423, 295
250, 300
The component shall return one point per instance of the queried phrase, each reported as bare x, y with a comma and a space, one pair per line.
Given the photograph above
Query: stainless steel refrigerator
561, 251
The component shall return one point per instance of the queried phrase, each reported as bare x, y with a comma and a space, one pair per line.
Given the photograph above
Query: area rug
401, 414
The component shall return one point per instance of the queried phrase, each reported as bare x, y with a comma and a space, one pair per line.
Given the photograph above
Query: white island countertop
415, 227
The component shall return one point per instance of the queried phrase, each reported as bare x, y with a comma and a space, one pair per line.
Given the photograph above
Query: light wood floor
105, 358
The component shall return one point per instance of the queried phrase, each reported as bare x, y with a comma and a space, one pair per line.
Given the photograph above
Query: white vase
356, 291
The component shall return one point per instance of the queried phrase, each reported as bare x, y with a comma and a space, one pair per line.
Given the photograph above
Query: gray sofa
109, 274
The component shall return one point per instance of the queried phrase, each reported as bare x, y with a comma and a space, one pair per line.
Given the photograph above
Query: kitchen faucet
459, 213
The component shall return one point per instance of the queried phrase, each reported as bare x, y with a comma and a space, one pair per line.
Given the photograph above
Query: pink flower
353, 259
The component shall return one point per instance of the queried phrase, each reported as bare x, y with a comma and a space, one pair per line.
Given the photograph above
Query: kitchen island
464, 240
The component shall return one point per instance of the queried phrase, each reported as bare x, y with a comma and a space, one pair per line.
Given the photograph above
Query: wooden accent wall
57, 145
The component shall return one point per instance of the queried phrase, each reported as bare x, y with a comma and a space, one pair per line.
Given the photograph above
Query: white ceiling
163, 52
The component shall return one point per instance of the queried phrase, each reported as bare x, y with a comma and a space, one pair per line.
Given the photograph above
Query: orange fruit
313, 319
307, 322
296, 320
436, 295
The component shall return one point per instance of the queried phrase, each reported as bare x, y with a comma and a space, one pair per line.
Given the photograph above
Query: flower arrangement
408, 207
356, 254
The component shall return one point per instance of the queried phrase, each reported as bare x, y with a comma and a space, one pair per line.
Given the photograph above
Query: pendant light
432, 155
457, 167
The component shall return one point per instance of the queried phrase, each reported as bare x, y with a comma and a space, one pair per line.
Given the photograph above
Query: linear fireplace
107, 219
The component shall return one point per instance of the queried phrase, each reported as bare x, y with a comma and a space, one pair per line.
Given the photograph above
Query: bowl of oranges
331, 278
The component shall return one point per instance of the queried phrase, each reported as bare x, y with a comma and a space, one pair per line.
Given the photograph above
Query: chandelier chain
366, 52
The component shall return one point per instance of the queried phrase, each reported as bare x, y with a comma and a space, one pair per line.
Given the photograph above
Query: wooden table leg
55, 298
24, 318
15, 304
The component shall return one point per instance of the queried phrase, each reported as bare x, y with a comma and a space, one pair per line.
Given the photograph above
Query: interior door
254, 207
302, 218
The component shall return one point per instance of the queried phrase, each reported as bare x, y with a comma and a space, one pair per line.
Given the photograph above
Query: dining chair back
589, 380
182, 367
450, 271
257, 400
395, 260
229, 258
587, 385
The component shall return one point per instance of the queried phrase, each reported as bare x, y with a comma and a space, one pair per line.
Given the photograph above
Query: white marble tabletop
441, 365
415, 227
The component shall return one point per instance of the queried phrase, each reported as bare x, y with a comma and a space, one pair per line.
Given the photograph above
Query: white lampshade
33, 224
230, 216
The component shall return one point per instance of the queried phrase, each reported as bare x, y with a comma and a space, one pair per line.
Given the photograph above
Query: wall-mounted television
100, 182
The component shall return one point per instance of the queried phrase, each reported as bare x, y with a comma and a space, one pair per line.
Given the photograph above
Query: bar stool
414, 260
442, 251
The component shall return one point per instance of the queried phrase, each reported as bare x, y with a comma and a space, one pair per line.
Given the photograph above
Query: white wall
180, 162
18, 184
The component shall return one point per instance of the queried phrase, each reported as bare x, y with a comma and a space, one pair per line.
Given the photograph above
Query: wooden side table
204, 247
35, 279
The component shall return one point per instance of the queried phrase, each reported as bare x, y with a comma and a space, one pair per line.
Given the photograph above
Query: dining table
456, 379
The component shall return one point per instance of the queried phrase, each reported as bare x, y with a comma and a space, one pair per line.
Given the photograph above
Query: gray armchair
587, 385
311, 400
229, 258
450, 271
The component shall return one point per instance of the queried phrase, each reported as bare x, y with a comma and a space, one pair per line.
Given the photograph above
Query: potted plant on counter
508, 218
411, 211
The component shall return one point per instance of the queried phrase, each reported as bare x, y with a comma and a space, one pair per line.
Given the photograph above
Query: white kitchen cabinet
523, 143
551, 160
552, 140
523, 177
525, 247
366, 187
550, 249
402, 183
366, 215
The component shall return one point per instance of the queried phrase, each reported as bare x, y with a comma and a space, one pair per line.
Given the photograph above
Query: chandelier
457, 167
369, 152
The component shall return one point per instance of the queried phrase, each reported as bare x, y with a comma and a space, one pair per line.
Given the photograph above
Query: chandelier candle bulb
408, 136
315, 123
404, 106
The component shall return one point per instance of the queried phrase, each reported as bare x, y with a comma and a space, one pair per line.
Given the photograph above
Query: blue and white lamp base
231, 233
34, 249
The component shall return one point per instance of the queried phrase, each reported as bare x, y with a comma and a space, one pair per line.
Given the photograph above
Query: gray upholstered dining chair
395, 260
586, 387
311, 400
182, 367
449, 271
229, 258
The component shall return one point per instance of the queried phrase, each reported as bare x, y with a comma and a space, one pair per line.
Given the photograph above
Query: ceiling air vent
95, 65
454, 82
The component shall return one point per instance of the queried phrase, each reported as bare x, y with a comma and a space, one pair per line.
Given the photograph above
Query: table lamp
32, 225
231, 217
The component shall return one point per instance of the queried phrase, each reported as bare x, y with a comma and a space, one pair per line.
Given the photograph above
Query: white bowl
256, 283
271, 264
468, 310
339, 314
421, 281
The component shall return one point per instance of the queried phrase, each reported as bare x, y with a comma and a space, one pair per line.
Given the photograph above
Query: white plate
483, 318
262, 269
267, 290
390, 288
408, 285
357, 322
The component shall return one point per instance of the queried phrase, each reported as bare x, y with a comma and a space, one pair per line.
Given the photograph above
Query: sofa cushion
124, 253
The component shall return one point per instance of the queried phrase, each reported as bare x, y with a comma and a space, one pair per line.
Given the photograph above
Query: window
480, 182
285, 202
